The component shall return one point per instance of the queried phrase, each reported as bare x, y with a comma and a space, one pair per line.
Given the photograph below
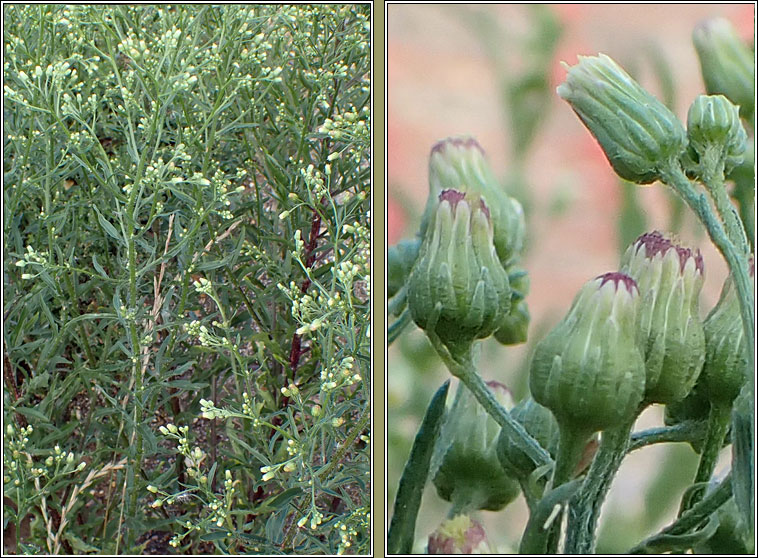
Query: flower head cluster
352, 527
340, 375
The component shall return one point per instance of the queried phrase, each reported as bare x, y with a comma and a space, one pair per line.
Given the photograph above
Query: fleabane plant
187, 231
633, 337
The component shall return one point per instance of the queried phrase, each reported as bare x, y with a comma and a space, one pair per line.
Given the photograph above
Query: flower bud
669, 329
540, 424
714, 126
588, 370
459, 164
636, 131
465, 468
457, 286
459, 535
400, 258
726, 361
726, 63
514, 326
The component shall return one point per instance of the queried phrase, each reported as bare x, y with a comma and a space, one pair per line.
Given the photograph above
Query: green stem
683, 432
718, 424
464, 370
673, 175
713, 180
570, 449
585, 509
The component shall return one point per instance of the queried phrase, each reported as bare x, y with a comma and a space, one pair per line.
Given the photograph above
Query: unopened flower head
727, 63
714, 129
637, 132
670, 277
459, 163
457, 285
726, 363
588, 370
465, 467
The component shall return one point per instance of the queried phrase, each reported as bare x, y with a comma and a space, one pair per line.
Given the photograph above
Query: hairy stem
737, 262
585, 509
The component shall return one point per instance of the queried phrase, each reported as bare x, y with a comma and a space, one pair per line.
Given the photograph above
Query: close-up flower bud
714, 129
636, 131
670, 277
459, 535
724, 370
459, 163
588, 370
726, 63
465, 467
457, 285
540, 424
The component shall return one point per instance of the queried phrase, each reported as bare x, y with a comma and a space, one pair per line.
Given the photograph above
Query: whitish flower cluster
20, 466
315, 516
314, 181
339, 375
350, 127
349, 528
193, 457
34, 258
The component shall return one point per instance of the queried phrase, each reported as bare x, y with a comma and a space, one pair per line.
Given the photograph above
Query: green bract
457, 286
726, 63
669, 277
459, 164
636, 131
723, 373
588, 370
541, 425
713, 125
465, 467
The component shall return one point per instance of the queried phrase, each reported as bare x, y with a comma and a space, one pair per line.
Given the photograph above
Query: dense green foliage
187, 235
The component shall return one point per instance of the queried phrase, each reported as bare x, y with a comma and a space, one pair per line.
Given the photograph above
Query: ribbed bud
669, 329
541, 425
714, 129
588, 370
726, 63
636, 131
723, 373
513, 329
459, 535
400, 258
465, 467
457, 285
459, 163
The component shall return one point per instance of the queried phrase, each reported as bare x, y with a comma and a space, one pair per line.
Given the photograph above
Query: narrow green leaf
107, 227
415, 473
